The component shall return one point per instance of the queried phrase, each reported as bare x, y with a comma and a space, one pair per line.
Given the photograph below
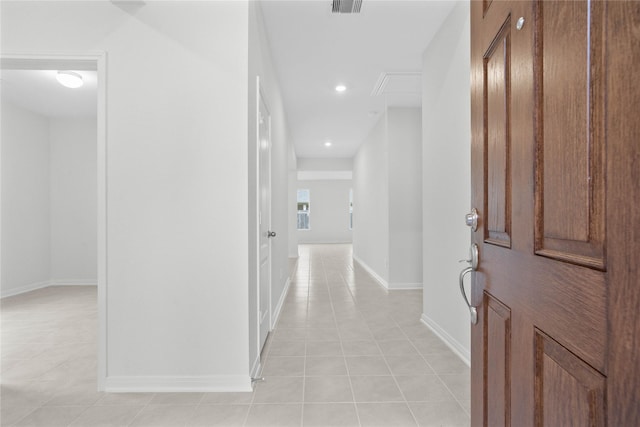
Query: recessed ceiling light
341, 88
69, 79
327, 144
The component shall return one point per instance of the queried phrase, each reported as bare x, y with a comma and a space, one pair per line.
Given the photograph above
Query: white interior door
264, 174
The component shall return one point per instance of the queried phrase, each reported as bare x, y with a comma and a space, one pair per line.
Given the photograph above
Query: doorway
95, 64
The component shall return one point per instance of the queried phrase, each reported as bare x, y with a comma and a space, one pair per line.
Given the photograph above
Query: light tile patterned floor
345, 352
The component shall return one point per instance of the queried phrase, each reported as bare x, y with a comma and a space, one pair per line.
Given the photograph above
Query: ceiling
40, 92
376, 54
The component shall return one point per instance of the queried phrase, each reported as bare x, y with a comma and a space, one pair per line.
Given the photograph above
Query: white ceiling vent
346, 6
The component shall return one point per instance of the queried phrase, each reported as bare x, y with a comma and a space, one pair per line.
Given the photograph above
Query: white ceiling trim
324, 175
10, 61
397, 82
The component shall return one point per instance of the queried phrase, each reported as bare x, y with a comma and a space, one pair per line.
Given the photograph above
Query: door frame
623, 376
260, 95
95, 61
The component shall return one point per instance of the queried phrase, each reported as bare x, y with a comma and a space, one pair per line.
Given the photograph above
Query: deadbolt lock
471, 219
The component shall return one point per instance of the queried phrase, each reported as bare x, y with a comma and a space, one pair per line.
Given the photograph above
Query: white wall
330, 180
48, 201
371, 202
405, 197
329, 211
73, 201
446, 157
25, 214
387, 221
292, 204
177, 181
260, 64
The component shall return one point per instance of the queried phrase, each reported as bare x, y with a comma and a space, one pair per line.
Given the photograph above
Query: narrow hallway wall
387, 230
371, 203
260, 65
447, 190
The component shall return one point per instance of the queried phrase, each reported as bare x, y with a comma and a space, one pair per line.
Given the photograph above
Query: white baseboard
276, 312
216, 383
405, 286
371, 272
73, 282
257, 368
24, 288
326, 242
462, 352
45, 284
384, 283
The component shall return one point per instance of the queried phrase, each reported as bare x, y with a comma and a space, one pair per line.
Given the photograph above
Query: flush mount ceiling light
69, 79
327, 144
341, 88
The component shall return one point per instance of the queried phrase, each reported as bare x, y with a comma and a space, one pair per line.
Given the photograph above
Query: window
303, 209
351, 209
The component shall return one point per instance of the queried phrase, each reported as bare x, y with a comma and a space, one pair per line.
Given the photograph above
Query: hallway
345, 352
356, 354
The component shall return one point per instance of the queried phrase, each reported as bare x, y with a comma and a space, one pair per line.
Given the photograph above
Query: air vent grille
398, 82
346, 6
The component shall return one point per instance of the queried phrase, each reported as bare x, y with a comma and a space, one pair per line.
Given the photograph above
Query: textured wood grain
552, 276
570, 61
623, 212
565, 103
498, 362
568, 391
498, 136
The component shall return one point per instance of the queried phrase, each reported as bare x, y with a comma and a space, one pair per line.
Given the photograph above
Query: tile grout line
439, 375
381, 311
344, 356
304, 363
415, 419
252, 403
141, 409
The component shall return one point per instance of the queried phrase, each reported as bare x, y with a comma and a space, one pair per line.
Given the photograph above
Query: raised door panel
568, 391
497, 81
570, 144
497, 359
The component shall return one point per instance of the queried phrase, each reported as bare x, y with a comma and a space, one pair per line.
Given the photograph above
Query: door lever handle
473, 311
473, 257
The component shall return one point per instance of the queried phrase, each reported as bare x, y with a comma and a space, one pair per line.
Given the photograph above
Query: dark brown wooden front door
555, 179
